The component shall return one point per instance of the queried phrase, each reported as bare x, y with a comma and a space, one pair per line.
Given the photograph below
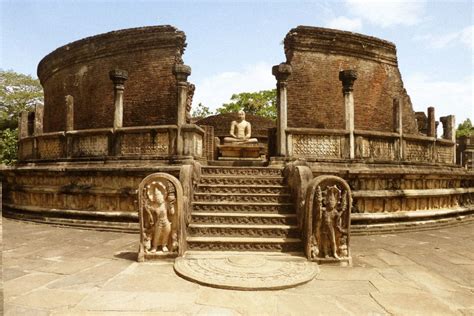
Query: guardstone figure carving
160, 204
327, 220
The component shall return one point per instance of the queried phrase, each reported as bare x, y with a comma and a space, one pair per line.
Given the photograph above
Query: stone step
243, 230
242, 218
242, 171
241, 180
242, 189
244, 244
266, 208
242, 198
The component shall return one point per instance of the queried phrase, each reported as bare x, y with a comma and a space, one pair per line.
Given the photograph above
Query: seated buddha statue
240, 131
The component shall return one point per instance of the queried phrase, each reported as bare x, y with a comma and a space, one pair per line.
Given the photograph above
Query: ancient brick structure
314, 92
117, 110
81, 69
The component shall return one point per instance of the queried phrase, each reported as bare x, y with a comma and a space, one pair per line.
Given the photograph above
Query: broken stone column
118, 77
38, 123
431, 132
23, 125
281, 73
449, 131
69, 112
181, 73
398, 124
348, 77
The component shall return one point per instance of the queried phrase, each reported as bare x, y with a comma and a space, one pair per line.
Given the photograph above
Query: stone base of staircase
249, 271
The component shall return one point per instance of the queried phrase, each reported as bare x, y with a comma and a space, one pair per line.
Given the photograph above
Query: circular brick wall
81, 69
315, 98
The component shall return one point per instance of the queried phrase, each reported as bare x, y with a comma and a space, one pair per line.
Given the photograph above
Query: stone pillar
398, 124
431, 132
181, 73
118, 77
38, 123
23, 125
281, 73
449, 131
69, 112
348, 77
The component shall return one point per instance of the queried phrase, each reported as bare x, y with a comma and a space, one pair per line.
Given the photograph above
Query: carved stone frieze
220, 219
327, 220
376, 149
243, 189
230, 231
49, 148
90, 146
246, 246
418, 151
160, 198
319, 146
276, 198
264, 208
444, 154
243, 172
144, 144
241, 181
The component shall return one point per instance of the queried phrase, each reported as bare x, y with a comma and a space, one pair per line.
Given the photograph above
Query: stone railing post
181, 73
38, 122
398, 124
23, 125
281, 73
69, 113
118, 77
348, 77
449, 131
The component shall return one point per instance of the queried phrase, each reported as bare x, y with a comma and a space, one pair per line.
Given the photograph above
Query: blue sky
233, 44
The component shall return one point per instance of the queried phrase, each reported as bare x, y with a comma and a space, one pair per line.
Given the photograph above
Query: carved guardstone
327, 220
160, 211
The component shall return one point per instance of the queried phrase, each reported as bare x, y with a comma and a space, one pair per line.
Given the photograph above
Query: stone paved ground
64, 271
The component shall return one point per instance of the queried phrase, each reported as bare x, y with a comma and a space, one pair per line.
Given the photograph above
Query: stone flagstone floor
64, 271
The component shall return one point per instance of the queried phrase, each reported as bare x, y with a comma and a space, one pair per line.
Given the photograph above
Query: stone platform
241, 150
237, 271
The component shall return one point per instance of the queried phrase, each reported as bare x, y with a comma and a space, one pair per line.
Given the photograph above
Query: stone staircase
243, 209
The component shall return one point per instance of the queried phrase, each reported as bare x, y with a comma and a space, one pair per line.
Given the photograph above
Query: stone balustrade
371, 146
125, 142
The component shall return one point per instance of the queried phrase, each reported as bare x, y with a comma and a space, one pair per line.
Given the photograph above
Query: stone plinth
240, 150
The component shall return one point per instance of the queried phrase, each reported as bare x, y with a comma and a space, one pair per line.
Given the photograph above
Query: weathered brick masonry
315, 99
81, 69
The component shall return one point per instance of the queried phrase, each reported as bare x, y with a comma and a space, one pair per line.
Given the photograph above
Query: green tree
261, 103
465, 128
18, 92
8, 146
201, 111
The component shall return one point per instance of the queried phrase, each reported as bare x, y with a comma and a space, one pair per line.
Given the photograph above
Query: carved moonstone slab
160, 214
327, 220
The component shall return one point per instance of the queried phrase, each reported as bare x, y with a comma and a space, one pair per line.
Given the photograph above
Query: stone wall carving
90, 146
418, 151
160, 214
375, 148
144, 144
318, 146
327, 220
444, 154
50, 148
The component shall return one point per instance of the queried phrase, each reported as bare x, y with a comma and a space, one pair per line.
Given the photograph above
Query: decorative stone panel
318, 146
144, 144
50, 148
26, 149
375, 148
444, 154
90, 146
418, 151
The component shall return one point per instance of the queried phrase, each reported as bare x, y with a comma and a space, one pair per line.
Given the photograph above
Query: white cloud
388, 13
448, 97
464, 36
218, 89
345, 23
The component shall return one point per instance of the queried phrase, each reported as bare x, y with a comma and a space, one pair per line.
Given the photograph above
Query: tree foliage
8, 146
465, 129
18, 92
201, 111
261, 103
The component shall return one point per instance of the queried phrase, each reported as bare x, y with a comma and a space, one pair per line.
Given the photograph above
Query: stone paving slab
65, 271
